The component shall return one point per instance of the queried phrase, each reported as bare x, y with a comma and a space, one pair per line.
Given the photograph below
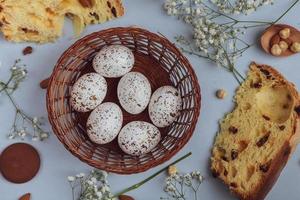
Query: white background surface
57, 163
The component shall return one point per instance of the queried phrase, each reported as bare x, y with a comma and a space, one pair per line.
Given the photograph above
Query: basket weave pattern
160, 61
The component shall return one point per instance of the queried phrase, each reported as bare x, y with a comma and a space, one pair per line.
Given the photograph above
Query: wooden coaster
19, 163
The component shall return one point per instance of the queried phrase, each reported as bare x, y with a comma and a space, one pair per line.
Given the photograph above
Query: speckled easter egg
113, 61
88, 92
164, 106
138, 138
134, 92
104, 123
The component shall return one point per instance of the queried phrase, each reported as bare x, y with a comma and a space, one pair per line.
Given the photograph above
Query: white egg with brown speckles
134, 92
88, 92
113, 61
104, 123
138, 138
165, 105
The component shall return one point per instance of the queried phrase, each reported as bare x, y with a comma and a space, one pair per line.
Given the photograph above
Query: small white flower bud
35, 120
10, 136
94, 180
71, 178
44, 135
35, 138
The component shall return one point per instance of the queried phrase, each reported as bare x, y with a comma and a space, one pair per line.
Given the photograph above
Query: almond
125, 197
86, 3
275, 40
27, 50
44, 83
25, 197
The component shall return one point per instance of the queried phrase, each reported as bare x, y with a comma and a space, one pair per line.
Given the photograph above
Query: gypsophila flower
183, 186
240, 6
23, 125
10, 136
71, 178
80, 175
92, 187
35, 120
216, 36
35, 138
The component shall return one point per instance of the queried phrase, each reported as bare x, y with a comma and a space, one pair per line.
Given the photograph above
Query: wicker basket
160, 61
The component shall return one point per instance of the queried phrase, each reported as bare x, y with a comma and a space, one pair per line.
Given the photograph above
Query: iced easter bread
257, 138
27, 20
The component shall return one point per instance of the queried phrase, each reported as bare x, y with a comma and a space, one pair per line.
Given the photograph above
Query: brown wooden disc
19, 163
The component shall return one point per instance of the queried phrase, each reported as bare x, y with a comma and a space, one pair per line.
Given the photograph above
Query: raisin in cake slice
32, 21
258, 136
85, 12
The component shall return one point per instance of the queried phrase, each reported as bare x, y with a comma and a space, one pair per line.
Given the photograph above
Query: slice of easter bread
85, 12
27, 20
257, 138
42, 20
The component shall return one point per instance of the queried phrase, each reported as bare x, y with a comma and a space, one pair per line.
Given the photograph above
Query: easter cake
85, 12
42, 20
26, 20
257, 138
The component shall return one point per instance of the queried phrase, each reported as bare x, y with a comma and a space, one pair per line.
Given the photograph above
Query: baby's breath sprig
95, 185
23, 124
183, 186
217, 36
240, 6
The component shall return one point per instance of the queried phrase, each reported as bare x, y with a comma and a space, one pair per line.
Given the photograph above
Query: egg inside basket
156, 58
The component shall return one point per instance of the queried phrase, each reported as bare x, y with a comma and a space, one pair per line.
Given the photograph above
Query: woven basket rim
188, 133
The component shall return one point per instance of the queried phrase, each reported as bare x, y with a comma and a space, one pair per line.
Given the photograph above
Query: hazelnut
221, 94
295, 47
283, 45
276, 50
285, 33
172, 170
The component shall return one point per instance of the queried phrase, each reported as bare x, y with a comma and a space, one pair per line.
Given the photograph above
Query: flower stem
279, 18
73, 195
18, 110
255, 22
139, 184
